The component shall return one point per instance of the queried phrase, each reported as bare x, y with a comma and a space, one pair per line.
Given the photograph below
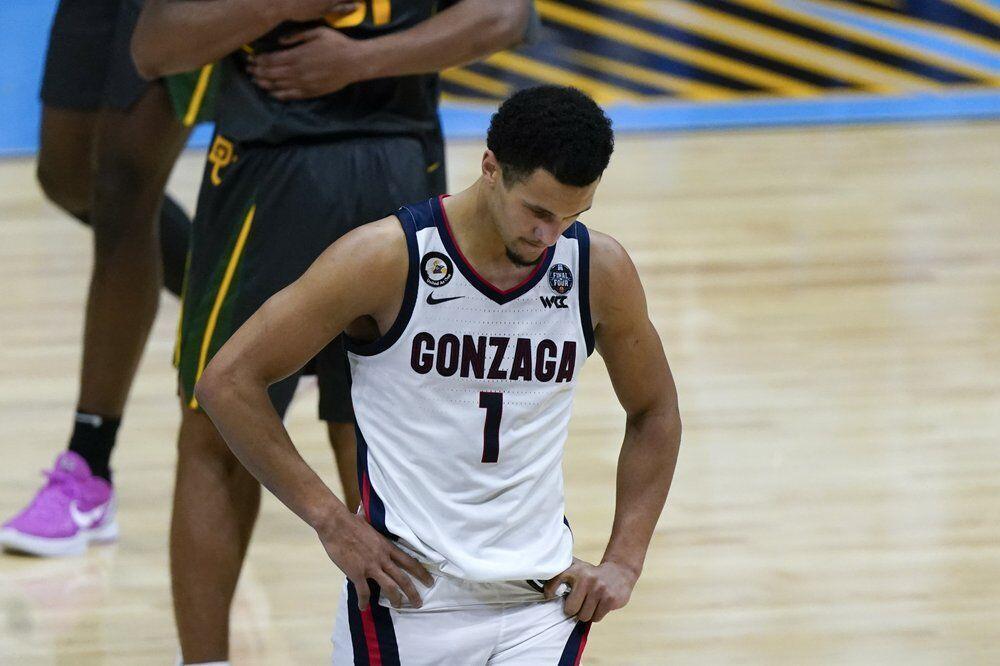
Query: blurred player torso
403, 105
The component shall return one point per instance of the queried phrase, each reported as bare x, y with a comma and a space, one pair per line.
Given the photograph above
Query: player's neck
476, 235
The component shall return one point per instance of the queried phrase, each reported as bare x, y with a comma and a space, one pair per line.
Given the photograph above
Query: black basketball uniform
284, 180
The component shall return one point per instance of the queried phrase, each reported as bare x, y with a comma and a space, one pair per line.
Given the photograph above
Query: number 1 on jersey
493, 404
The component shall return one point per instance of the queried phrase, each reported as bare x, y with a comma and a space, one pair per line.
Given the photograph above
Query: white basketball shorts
460, 623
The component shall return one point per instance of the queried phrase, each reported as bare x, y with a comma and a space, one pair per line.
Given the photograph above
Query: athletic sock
93, 439
175, 237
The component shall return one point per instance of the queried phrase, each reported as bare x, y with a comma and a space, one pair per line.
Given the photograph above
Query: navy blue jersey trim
484, 287
582, 236
373, 505
379, 345
422, 214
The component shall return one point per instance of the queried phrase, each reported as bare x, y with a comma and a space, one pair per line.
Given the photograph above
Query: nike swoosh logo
434, 301
86, 519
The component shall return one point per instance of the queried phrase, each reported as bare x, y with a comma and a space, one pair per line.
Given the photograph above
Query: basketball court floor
829, 299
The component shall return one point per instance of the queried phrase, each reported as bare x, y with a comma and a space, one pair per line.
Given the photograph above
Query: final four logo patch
560, 278
436, 269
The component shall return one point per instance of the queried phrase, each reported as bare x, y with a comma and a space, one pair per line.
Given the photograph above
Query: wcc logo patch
560, 279
436, 269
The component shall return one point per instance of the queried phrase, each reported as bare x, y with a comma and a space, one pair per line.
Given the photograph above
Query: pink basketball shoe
73, 509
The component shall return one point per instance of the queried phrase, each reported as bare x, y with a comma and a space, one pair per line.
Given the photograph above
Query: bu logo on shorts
221, 155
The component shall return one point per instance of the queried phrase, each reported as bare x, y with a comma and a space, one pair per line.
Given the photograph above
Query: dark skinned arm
180, 35
321, 61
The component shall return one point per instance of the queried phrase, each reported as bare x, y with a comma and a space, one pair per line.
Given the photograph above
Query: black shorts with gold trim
88, 65
265, 213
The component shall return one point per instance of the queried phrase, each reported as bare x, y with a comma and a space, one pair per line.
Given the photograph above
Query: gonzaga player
469, 318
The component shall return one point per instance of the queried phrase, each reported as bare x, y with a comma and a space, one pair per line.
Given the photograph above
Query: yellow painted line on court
198, 96
969, 39
660, 45
870, 39
782, 46
982, 9
603, 93
220, 297
687, 88
476, 81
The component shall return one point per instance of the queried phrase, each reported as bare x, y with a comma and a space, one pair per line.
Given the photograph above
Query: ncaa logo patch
436, 269
560, 278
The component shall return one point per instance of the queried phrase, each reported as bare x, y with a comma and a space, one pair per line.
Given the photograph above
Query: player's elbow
511, 22
499, 25
144, 56
156, 49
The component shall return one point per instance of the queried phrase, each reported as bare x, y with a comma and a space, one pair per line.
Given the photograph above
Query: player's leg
540, 633
335, 408
238, 261
215, 507
77, 504
65, 158
135, 151
65, 174
437, 634
345, 453
214, 511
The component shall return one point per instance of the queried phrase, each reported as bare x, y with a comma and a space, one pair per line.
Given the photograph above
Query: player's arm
634, 356
179, 35
287, 331
321, 60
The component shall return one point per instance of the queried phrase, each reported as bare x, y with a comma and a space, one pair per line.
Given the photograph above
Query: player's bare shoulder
615, 289
373, 255
369, 266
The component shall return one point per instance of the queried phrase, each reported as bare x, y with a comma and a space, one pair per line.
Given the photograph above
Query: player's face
535, 211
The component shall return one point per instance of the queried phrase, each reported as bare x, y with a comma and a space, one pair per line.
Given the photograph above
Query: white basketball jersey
462, 407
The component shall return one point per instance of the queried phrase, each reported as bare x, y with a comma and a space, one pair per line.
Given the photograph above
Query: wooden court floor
830, 301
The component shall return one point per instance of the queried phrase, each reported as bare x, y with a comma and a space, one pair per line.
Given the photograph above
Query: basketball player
108, 142
465, 344
318, 129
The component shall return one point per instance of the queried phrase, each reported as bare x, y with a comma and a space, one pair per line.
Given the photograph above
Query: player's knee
124, 175
200, 443
65, 189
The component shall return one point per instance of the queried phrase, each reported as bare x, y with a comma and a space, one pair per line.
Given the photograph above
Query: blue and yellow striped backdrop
711, 50
702, 63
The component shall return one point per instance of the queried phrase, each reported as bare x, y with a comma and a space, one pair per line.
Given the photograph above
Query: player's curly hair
554, 128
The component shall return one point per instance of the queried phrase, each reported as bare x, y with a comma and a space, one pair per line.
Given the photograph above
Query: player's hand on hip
595, 591
363, 554
316, 62
308, 10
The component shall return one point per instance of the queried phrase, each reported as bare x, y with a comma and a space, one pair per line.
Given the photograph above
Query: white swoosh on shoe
86, 519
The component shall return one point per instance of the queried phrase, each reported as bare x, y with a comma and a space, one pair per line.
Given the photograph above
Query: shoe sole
27, 544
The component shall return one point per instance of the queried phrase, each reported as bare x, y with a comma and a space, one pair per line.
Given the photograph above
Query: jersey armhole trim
386, 341
583, 243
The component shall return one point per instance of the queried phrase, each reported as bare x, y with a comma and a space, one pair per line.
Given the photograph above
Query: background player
108, 142
463, 384
318, 130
